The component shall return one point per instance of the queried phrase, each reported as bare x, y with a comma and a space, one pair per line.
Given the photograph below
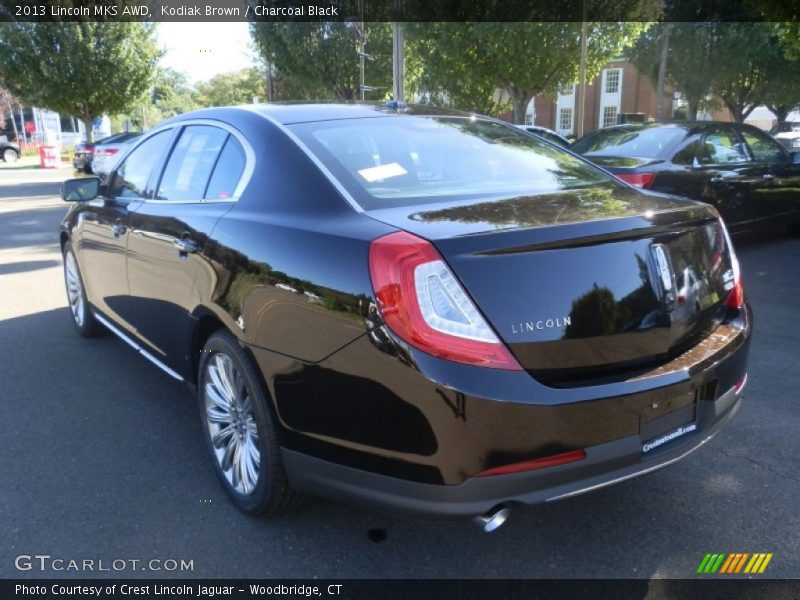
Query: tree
320, 60
689, 67
230, 89
746, 59
78, 68
7, 103
467, 62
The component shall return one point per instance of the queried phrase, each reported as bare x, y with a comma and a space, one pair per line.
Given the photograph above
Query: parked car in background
494, 322
788, 134
749, 177
109, 150
82, 160
545, 133
95, 158
9, 151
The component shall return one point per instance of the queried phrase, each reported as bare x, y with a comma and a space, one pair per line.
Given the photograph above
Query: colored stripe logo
736, 562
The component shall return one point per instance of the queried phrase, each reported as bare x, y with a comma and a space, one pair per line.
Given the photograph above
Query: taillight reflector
537, 463
639, 180
107, 152
424, 304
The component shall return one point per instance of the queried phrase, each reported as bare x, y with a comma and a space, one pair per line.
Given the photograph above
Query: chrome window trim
319, 164
249, 163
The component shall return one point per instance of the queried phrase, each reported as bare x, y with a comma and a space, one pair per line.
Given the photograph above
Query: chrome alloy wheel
231, 423
74, 288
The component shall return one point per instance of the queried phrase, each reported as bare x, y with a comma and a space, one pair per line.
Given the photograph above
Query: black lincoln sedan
428, 313
742, 171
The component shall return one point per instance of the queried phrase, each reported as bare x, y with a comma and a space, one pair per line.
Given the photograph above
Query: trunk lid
587, 284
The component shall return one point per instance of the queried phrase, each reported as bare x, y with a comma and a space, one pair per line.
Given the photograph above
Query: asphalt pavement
101, 458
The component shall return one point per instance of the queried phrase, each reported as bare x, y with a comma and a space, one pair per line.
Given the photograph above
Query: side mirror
695, 163
81, 189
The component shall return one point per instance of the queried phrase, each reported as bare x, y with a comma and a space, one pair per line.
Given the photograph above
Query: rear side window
131, 176
191, 163
763, 148
630, 142
721, 147
227, 172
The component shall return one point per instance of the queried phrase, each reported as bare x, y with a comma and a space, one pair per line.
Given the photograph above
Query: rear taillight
639, 180
107, 152
423, 303
735, 297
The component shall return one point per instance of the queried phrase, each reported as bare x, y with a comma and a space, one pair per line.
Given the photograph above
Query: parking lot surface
102, 458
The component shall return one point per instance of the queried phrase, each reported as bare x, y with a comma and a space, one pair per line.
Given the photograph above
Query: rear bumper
605, 464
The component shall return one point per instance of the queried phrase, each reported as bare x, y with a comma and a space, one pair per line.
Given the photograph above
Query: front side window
401, 161
191, 163
132, 174
763, 148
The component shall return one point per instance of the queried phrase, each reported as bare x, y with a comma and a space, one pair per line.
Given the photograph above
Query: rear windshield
404, 160
628, 142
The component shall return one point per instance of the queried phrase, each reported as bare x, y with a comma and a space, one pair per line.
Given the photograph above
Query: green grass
28, 162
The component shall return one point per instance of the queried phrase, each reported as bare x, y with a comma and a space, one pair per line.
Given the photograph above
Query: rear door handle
717, 179
185, 245
768, 176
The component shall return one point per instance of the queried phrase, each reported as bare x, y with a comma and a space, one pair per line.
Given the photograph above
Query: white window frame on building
565, 103
610, 97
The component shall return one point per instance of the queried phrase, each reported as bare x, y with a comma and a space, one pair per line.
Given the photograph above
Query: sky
202, 50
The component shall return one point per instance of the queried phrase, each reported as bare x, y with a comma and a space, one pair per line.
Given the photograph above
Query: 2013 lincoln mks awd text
428, 313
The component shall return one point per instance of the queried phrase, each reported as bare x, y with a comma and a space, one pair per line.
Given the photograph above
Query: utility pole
581, 99
662, 73
361, 49
398, 63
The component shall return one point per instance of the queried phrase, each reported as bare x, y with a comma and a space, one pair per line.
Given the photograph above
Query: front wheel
82, 317
240, 431
10, 155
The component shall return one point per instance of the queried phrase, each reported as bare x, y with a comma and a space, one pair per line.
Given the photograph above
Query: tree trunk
87, 123
693, 107
520, 107
781, 113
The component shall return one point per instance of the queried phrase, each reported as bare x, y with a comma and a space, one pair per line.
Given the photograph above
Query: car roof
290, 113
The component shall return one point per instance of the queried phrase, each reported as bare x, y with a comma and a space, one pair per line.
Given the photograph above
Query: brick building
619, 88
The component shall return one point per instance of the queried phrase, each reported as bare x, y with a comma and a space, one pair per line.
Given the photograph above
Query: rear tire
240, 430
82, 317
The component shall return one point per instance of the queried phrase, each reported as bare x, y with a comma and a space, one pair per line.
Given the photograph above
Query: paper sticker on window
373, 174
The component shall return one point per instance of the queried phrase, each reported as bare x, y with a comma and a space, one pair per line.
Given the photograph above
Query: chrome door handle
717, 179
185, 245
768, 176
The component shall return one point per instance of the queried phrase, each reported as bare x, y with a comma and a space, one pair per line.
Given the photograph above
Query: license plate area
667, 415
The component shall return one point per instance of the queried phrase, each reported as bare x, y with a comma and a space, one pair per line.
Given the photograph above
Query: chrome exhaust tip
492, 520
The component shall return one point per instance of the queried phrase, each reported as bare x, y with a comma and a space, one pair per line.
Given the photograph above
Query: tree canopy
78, 68
467, 62
320, 60
740, 64
230, 89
